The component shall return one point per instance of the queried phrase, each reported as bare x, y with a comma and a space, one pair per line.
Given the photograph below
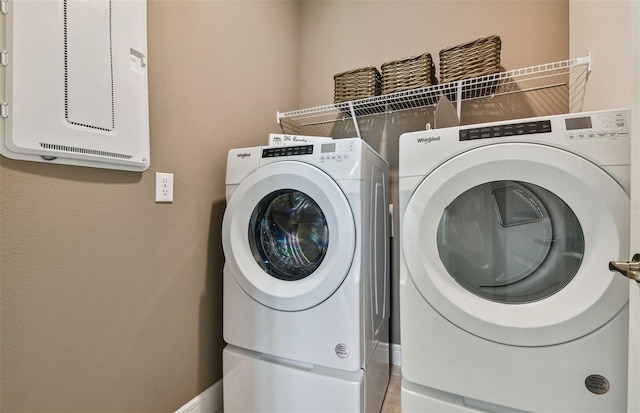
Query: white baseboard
208, 401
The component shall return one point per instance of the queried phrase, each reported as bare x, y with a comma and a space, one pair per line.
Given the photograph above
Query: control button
287, 151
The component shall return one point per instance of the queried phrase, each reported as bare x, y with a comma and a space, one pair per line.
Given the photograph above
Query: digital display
328, 148
578, 123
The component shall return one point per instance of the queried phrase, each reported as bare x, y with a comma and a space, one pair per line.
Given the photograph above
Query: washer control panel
337, 151
287, 151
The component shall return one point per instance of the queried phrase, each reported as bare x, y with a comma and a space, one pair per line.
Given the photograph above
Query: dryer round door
289, 236
511, 243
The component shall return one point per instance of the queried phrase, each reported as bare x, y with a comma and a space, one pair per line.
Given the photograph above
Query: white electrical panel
73, 85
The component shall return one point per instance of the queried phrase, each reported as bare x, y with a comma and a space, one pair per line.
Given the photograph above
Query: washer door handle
630, 269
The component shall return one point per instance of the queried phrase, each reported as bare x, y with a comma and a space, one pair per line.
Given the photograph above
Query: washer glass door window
288, 234
510, 242
288, 246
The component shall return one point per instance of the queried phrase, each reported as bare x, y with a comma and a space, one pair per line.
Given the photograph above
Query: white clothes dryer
306, 278
506, 300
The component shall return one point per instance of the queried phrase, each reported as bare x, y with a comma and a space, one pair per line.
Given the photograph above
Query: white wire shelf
503, 83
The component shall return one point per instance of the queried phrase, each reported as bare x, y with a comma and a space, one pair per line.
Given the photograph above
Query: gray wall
110, 302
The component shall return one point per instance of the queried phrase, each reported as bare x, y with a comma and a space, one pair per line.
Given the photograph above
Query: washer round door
289, 236
511, 242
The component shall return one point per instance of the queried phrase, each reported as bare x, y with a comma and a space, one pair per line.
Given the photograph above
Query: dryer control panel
504, 130
598, 125
582, 126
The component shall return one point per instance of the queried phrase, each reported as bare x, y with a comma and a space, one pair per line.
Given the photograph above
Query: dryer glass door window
510, 242
288, 234
507, 241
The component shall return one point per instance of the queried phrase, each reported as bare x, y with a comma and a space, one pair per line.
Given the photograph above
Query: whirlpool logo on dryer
243, 155
428, 139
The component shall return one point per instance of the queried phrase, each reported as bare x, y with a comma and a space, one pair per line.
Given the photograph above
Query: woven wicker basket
409, 73
472, 59
357, 84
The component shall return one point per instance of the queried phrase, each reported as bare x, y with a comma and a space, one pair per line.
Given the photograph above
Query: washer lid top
511, 242
289, 235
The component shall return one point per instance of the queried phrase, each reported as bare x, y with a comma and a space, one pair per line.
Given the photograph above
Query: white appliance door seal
588, 301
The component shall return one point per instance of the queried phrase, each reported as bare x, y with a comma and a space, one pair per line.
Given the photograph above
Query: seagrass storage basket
357, 84
471, 59
409, 73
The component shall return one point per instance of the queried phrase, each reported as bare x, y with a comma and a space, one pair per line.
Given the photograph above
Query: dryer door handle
630, 269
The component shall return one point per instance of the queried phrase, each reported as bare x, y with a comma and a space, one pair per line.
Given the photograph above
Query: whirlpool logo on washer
243, 155
428, 139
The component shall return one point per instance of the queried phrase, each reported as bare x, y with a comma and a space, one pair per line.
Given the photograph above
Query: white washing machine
506, 300
306, 278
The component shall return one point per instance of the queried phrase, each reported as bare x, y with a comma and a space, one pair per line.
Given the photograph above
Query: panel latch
630, 269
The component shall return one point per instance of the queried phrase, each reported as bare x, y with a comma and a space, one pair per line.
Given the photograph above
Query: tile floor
391, 402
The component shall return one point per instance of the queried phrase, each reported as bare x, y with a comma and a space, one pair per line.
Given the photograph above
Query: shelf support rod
355, 120
459, 98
